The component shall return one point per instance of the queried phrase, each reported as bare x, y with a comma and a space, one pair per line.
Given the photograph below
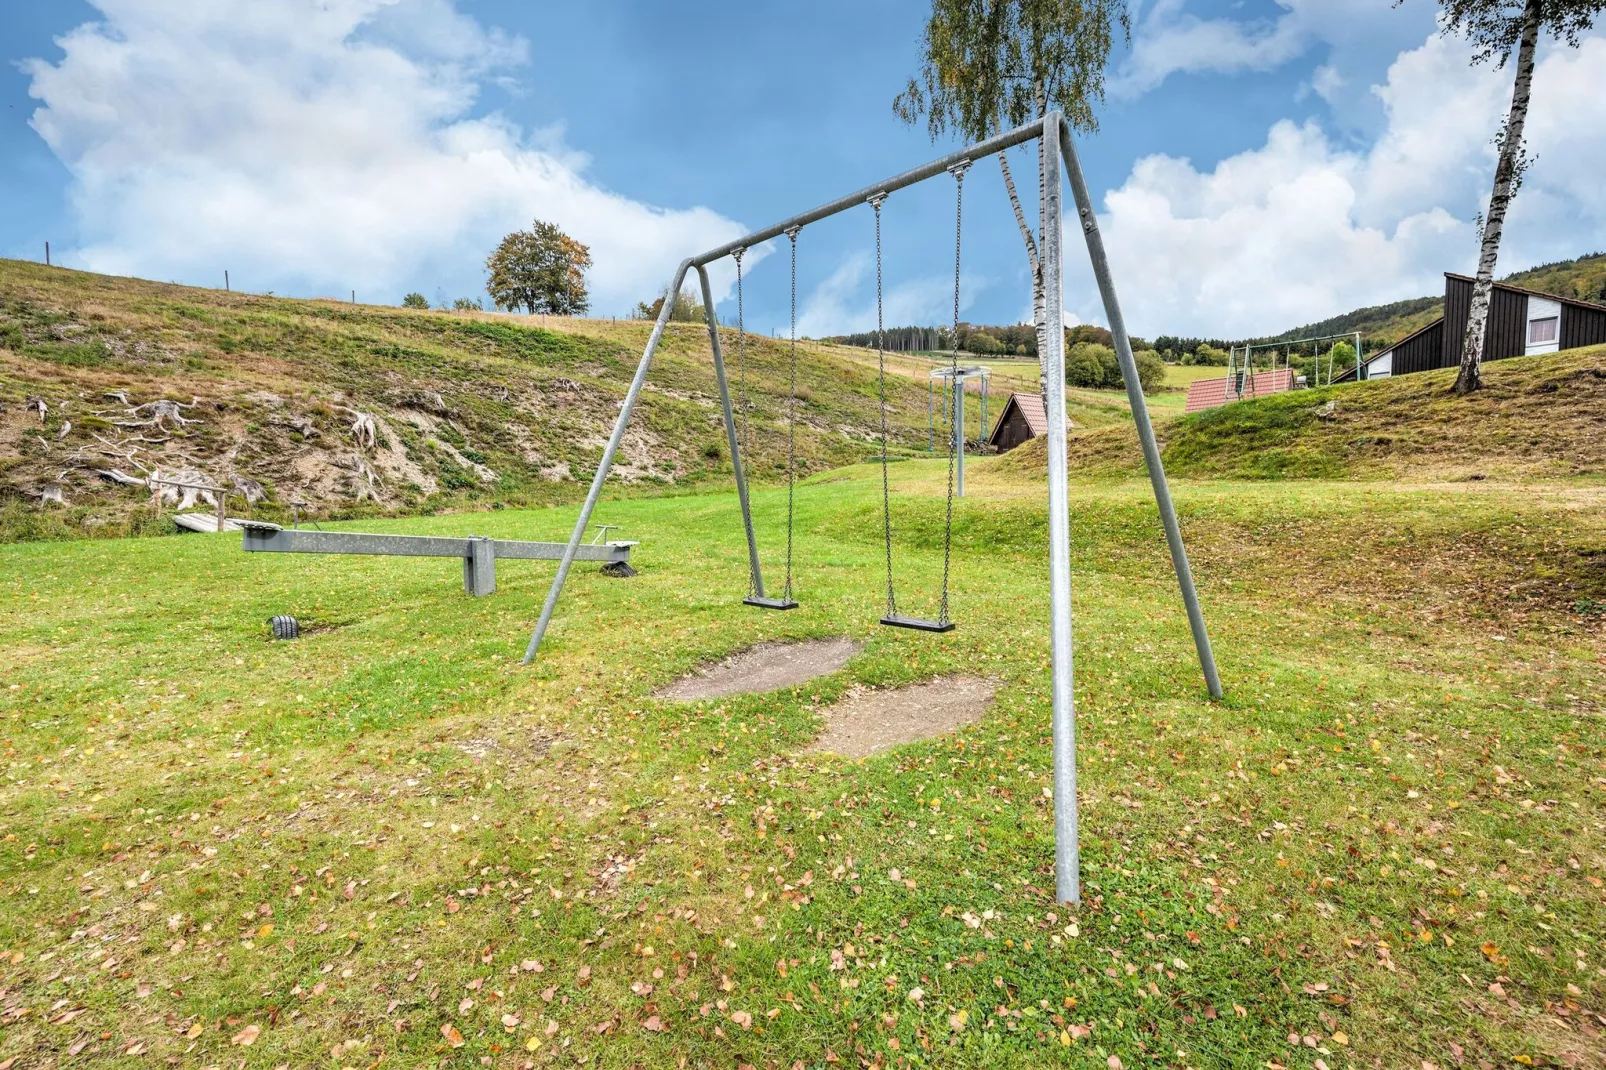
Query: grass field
387, 844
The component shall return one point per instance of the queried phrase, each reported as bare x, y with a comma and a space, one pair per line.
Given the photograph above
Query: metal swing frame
1056, 148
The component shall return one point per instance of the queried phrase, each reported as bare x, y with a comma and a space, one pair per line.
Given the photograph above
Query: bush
1087, 365
468, 304
1151, 370
415, 300
1206, 354
1094, 366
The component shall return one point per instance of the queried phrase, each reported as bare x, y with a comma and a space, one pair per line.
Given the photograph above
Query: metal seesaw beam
477, 552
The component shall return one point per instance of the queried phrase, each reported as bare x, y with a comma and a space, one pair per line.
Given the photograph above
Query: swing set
1052, 134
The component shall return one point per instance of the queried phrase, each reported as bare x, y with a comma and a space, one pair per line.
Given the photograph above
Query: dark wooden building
1522, 322
1023, 418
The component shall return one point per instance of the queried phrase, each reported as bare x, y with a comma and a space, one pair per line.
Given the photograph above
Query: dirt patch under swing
765, 667
866, 722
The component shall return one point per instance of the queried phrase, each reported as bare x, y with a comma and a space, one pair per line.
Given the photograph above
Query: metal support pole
1357, 356
479, 566
1140, 412
754, 572
601, 477
958, 435
1067, 865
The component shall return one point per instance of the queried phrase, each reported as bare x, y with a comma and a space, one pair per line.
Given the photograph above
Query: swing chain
876, 200
791, 419
956, 439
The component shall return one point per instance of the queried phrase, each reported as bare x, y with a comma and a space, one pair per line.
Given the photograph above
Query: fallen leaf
742, 1018
654, 1024
247, 1036
453, 1037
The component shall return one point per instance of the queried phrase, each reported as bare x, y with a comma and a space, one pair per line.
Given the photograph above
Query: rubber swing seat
769, 603
919, 624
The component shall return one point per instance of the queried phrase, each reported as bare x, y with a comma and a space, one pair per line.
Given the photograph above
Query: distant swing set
1053, 133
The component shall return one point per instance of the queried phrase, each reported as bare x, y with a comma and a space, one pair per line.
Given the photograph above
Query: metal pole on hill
47, 254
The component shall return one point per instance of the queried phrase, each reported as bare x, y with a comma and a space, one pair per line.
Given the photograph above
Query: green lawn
1180, 375
388, 843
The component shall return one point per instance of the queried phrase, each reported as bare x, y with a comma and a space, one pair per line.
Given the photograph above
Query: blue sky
1259, 164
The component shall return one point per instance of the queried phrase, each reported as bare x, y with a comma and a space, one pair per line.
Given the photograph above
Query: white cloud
1301, 228
1326, 81
315, 146
844, 303
1168, 39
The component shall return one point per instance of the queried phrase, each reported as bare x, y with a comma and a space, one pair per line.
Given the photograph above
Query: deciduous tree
539, 270
1495, 27
987, 65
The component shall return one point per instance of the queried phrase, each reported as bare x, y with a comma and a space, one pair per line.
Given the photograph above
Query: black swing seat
769, 603
919, 624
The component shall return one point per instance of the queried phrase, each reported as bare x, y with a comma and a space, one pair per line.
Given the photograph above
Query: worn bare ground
868, 721
765, 667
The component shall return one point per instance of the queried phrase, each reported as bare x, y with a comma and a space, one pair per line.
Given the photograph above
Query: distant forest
1380, 326
1016, 340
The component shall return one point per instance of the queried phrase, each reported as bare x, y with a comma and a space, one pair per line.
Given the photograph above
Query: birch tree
1495, 27
989, 65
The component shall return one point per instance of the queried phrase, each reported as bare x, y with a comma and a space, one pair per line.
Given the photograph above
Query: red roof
1209, 393
1031, 410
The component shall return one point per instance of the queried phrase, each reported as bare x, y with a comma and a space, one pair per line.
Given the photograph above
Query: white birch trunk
1506, 176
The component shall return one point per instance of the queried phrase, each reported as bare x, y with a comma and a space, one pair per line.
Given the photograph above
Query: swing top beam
981, 149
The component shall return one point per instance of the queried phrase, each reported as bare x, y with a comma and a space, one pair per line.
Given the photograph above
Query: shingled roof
1031, 410
1209, 393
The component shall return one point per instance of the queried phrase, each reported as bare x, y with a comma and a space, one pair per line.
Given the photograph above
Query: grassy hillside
1382, 325
1536, 416
1378, 324
465, 409
1583, 278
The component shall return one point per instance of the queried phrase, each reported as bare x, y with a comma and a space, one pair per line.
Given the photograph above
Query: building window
1541, 331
